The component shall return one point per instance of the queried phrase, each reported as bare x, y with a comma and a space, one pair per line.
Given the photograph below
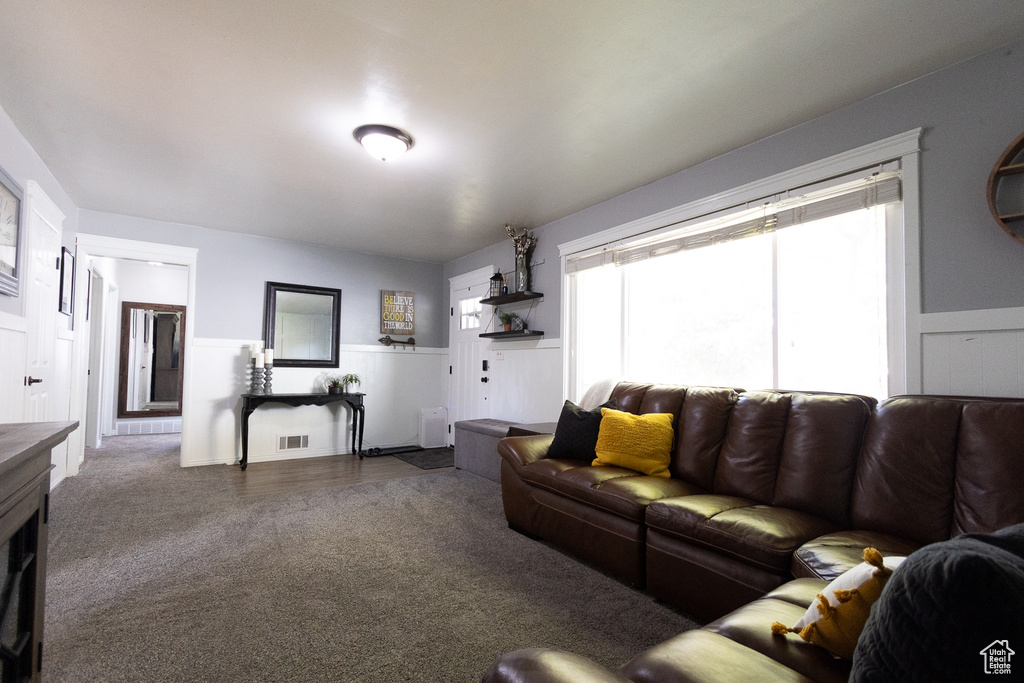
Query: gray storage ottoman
476, 446
476, 443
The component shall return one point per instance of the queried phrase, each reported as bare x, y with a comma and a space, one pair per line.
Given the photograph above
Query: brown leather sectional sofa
767, 487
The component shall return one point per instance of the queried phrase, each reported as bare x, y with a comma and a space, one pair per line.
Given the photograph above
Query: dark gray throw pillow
951, 612
576, 432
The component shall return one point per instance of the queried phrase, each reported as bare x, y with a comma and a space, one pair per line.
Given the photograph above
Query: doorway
108, 256
468, 381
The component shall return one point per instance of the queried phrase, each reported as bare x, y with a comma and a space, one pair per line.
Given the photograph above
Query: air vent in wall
290, 443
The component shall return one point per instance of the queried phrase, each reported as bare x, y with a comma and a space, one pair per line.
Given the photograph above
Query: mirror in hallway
152, 360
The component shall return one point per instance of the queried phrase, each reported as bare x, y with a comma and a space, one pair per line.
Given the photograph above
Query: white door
468, 384
41, 310
97, 313
111, 361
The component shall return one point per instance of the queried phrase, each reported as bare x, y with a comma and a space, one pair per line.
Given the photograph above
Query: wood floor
308, 474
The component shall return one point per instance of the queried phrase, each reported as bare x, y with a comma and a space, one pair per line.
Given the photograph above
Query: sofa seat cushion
613, 489
828, 556
630, 496
704, 656
750, 625
760, 535
569, 476
541, 665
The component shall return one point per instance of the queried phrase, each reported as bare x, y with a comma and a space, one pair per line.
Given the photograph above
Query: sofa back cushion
819, 454
904, 481
629, 396
749, 461
662, 398
700, 433
989, 488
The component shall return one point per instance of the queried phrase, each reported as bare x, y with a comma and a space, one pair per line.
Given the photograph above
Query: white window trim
902, 252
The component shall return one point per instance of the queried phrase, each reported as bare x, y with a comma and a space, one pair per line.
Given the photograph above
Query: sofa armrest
540, 665
522, 450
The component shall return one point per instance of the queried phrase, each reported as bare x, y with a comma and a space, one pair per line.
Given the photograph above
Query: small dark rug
430, 458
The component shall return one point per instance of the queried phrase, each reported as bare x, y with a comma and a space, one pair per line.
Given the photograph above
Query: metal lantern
496, 284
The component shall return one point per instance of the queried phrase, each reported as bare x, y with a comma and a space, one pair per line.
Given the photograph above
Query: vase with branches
523, 244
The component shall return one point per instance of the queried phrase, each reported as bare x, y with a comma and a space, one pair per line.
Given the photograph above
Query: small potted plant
338, 384
334, 384
506, 320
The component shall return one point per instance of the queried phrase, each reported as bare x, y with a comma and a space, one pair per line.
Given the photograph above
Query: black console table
251, 402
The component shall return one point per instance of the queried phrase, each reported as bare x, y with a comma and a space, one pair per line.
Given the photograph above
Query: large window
792, 295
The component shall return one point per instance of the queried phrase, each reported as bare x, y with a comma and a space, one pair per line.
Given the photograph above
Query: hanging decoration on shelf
523, 244
497, 283
1006, 190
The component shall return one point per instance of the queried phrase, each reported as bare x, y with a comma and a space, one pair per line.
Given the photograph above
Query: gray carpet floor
158, 573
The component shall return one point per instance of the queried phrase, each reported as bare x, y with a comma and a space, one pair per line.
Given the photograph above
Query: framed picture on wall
10, 234
67, 281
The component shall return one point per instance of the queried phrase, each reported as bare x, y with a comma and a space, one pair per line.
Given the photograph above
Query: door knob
483, 379
32, 380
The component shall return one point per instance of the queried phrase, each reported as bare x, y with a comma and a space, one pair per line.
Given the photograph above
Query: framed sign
397, 312
67, 281
10, 234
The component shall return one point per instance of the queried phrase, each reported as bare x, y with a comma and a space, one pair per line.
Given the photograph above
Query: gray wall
970, 113
233, 269
22, 163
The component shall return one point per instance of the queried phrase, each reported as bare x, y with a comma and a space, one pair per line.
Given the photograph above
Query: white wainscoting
60, 409
397, 383
525, 380
973, 353
12, 369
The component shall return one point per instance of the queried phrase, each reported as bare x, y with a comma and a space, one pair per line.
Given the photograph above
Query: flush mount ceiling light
383, 142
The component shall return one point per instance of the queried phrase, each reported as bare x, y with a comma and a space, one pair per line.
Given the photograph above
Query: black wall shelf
513, 298
521, 334
508, 300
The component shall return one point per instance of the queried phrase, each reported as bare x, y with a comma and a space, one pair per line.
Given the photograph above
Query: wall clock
1006, 190
10, 233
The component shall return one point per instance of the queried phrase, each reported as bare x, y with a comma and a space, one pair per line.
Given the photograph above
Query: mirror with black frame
152, 360
302, 324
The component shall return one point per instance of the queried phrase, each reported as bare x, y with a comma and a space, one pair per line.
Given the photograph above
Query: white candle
268, 356
259, 359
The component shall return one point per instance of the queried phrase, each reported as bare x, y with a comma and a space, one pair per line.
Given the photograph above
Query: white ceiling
237, 115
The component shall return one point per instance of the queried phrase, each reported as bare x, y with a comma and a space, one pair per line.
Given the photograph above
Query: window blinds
882, 187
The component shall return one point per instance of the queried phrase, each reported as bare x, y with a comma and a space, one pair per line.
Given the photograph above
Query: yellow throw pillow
843, 608
637, 442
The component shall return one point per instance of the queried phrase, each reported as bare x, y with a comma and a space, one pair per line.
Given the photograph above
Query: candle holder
258, 381
269, 367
